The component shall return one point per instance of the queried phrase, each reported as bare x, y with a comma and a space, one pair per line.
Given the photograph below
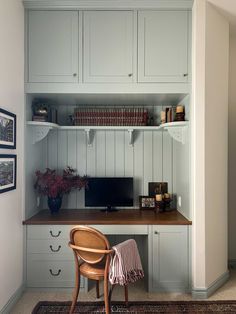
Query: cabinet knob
185, 74
74, 74
130, 74
156, 232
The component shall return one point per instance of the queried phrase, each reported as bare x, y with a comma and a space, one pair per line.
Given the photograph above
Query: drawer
55, 247
51, 273
49, 232
122, 229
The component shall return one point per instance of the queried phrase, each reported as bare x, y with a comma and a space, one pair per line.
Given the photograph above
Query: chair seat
91, 271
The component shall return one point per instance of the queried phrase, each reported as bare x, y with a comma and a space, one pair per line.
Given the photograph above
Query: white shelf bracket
131, 136
88, 133
38, 133
178, 133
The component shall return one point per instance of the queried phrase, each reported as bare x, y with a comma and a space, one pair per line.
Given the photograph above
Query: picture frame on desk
157, 188
7, 173
7, 129
146, 202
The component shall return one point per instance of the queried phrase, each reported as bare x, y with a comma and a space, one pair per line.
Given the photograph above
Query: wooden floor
136, 292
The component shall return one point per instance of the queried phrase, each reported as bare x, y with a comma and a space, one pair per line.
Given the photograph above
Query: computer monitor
109, 193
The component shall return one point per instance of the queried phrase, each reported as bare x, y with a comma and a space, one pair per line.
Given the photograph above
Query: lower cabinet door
51, 273
170, 259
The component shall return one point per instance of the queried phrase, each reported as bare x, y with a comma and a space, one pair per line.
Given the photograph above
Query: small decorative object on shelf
43, 111
54, 185
180, 114
147, 202
157, 188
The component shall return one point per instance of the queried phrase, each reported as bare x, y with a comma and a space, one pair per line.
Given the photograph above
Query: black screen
109, 192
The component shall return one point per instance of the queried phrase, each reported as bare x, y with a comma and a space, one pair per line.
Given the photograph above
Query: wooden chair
92, 255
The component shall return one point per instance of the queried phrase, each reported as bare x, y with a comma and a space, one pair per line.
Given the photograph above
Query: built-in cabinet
108, 46
168, 258
116, 47
163, 46
53, 46
50, 262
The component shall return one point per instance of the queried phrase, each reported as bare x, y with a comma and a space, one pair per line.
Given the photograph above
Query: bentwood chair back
92, 255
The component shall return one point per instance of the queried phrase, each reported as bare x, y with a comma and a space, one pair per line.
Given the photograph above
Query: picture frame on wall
7, 129
147, 202
7, 172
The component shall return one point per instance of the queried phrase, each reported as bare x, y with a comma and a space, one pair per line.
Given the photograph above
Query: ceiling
228, 9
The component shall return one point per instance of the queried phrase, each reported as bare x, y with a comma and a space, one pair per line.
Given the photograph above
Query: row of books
110, 116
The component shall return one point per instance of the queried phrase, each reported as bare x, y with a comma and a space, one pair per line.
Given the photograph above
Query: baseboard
232, 263
206, 293
13, 300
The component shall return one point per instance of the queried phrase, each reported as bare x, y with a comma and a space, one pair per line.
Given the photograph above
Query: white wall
12, 99
232, 147
209, 144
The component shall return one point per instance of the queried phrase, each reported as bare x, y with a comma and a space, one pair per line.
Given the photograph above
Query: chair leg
106, 296
97, 289
76, 292
126, 295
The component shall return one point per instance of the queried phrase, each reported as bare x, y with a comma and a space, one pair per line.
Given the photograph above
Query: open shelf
40, 130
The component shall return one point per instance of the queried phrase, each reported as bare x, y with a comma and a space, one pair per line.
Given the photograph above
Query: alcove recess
148, 154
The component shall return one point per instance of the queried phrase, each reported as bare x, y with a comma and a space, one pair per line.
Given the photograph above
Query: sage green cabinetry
163, 46
50, 262
53, 46
169, 258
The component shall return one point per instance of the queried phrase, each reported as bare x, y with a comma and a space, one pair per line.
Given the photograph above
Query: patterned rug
173, 307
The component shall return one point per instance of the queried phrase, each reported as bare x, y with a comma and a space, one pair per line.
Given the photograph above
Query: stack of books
39, 118
111, 116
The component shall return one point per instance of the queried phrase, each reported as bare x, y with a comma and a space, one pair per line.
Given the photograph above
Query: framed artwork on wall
7, 172
7, 129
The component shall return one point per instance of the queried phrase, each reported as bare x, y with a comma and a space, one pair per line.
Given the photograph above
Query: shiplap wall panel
157, 150
72, 162
110, 153
148, 160
81, 163
101, 154
120, 153
138, 166
167, 160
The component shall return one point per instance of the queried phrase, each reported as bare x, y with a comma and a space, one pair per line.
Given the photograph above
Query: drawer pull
55, 235
55, 250
55, 274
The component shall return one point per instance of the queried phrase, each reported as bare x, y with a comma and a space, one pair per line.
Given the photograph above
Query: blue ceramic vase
54, 203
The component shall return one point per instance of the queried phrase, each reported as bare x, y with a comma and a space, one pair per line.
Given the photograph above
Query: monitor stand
109, 209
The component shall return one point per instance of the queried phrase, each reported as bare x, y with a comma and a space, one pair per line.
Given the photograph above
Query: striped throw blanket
125, 266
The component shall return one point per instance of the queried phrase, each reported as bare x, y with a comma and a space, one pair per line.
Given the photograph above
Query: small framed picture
157, 188
7, 172
147, 202
7, 129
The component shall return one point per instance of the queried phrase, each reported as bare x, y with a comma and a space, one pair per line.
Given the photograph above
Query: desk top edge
95, 217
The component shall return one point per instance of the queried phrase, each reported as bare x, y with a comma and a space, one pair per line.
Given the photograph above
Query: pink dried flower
53, 185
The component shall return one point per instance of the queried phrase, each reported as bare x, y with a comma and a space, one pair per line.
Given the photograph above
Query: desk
163, 241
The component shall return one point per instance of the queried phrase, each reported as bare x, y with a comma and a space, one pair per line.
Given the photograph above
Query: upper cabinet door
53, 46
163, 46
108, 46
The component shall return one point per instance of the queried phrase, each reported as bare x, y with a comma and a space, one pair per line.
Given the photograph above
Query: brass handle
55, 235
55, 250
74, 74
55, 274
130, 74
185, 74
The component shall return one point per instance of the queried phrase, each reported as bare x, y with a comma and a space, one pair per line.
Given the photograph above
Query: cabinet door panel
53, 46
108, 46
163, 46
170, 258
